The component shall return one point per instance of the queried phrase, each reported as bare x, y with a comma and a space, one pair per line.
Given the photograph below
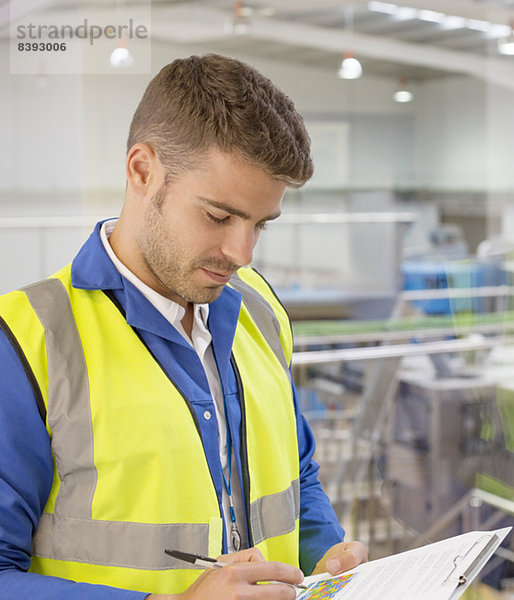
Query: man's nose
238, 244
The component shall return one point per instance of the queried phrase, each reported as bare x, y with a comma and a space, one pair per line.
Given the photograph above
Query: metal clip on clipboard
463, 577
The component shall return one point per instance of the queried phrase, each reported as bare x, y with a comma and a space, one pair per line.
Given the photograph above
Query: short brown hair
198, 102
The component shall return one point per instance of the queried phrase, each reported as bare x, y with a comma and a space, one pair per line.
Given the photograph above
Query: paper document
439, 571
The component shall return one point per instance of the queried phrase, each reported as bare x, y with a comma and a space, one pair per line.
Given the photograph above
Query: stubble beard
169, 263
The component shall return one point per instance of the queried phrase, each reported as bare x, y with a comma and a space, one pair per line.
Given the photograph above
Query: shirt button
207, 415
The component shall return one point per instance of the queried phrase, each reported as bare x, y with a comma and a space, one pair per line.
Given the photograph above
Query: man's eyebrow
235, 211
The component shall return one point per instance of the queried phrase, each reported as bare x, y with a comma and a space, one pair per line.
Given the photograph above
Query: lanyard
235, 536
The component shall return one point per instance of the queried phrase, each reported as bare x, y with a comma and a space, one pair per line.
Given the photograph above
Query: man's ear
143, 168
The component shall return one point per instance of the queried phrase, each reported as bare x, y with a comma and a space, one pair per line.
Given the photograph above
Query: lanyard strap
235, 536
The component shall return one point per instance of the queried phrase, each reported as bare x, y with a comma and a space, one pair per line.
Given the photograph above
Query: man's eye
262, 226
218, 220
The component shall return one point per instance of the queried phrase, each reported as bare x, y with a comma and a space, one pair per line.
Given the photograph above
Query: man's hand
239, 580
342, 557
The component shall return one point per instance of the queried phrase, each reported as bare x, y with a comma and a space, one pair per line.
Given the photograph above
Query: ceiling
412, 39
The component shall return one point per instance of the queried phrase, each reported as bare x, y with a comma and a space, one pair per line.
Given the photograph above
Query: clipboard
439, 571
464, 576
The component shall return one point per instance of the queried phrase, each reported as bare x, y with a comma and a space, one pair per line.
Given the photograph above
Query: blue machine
432, 274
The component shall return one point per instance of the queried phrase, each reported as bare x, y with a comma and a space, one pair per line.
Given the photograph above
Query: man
146, 401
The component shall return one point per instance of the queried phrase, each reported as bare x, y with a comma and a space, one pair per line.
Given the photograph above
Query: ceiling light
499, 31
383, 7
121, 57
350, 67
240, 23
478, 25
506, 44
403, 94
431, 16
493, 30
405, 13
454, 22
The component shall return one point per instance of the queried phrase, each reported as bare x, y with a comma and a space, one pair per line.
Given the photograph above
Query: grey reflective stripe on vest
117, 543
69, 411
263, 316
275, 514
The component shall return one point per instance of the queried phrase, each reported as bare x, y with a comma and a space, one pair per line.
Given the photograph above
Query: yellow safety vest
131, 477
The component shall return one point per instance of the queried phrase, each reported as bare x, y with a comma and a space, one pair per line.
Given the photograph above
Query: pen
212, 563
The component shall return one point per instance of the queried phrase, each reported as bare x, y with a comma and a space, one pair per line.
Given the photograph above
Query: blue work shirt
26, 466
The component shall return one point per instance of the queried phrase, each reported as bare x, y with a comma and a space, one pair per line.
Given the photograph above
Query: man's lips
218, 277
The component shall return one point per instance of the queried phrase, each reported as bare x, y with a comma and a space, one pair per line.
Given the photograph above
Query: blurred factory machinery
409, 389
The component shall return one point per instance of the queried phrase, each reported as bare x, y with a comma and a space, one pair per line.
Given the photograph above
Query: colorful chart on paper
323, 590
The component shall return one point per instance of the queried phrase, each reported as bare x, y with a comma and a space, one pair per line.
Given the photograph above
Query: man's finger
248, 555
351, 555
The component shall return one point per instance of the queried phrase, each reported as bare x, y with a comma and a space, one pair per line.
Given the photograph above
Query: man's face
200, 228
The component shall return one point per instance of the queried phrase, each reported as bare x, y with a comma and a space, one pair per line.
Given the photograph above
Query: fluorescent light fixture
494, 30
405, 13
499, 31
350, 67
506, 46
431, 15
383, 7
478, 25
454, 22
506, 43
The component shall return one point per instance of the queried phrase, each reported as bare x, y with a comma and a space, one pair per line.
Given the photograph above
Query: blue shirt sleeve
26, 473
319, 526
